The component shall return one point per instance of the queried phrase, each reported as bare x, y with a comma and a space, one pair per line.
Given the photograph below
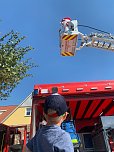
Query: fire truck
72, 40
91, 109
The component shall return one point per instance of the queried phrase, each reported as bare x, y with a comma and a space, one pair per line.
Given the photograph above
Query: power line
94, 28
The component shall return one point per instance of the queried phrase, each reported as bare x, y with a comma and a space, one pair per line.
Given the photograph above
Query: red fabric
53, 115
66, 18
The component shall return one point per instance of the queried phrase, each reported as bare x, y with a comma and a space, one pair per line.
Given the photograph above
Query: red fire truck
91, 108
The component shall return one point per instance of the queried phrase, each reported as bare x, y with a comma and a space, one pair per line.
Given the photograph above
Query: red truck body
87, 102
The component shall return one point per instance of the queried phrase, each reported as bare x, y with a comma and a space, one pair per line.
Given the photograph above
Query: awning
86, 110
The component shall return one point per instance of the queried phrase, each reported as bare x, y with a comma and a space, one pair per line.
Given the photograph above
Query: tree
13, 65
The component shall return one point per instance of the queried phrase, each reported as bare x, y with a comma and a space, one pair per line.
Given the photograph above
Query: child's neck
50, 123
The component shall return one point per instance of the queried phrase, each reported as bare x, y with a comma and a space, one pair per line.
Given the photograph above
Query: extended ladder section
102, 41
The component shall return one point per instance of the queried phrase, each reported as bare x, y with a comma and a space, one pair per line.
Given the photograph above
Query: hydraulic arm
69, 36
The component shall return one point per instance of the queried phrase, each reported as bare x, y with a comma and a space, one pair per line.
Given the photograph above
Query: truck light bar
65, 90
44, 91
94, 88
85, 88
36, 91
79, 89
108, 87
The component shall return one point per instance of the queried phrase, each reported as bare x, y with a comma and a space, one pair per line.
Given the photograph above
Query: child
51, 138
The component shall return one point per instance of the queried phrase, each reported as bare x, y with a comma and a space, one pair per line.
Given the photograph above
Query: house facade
17, 115
15, 122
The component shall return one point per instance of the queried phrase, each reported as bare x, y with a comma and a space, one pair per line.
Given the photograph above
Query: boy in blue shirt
51, 138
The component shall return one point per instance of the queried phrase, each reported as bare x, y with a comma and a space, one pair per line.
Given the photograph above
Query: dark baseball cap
57, 103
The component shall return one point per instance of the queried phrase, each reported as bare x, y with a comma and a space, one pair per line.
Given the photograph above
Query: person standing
51, 138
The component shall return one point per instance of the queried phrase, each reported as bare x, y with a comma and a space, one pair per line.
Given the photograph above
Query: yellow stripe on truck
67, 53
65, 37
69, 37
72, 37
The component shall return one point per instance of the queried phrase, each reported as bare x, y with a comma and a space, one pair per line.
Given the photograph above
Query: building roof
5, 111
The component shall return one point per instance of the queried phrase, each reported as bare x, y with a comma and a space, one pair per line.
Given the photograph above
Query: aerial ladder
69, 37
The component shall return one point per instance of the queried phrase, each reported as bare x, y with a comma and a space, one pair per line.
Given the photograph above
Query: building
15, 124
17, 115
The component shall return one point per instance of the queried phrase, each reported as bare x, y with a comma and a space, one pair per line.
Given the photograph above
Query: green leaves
13, 66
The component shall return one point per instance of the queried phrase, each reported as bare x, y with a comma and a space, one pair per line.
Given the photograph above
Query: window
28, 112
88, 144
1, 111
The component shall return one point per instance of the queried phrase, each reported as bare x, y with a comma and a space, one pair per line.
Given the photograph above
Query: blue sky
39, 21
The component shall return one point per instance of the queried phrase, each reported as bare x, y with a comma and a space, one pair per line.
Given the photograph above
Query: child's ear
65, 115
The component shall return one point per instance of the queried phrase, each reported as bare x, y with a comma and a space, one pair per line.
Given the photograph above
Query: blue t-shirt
51, 139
